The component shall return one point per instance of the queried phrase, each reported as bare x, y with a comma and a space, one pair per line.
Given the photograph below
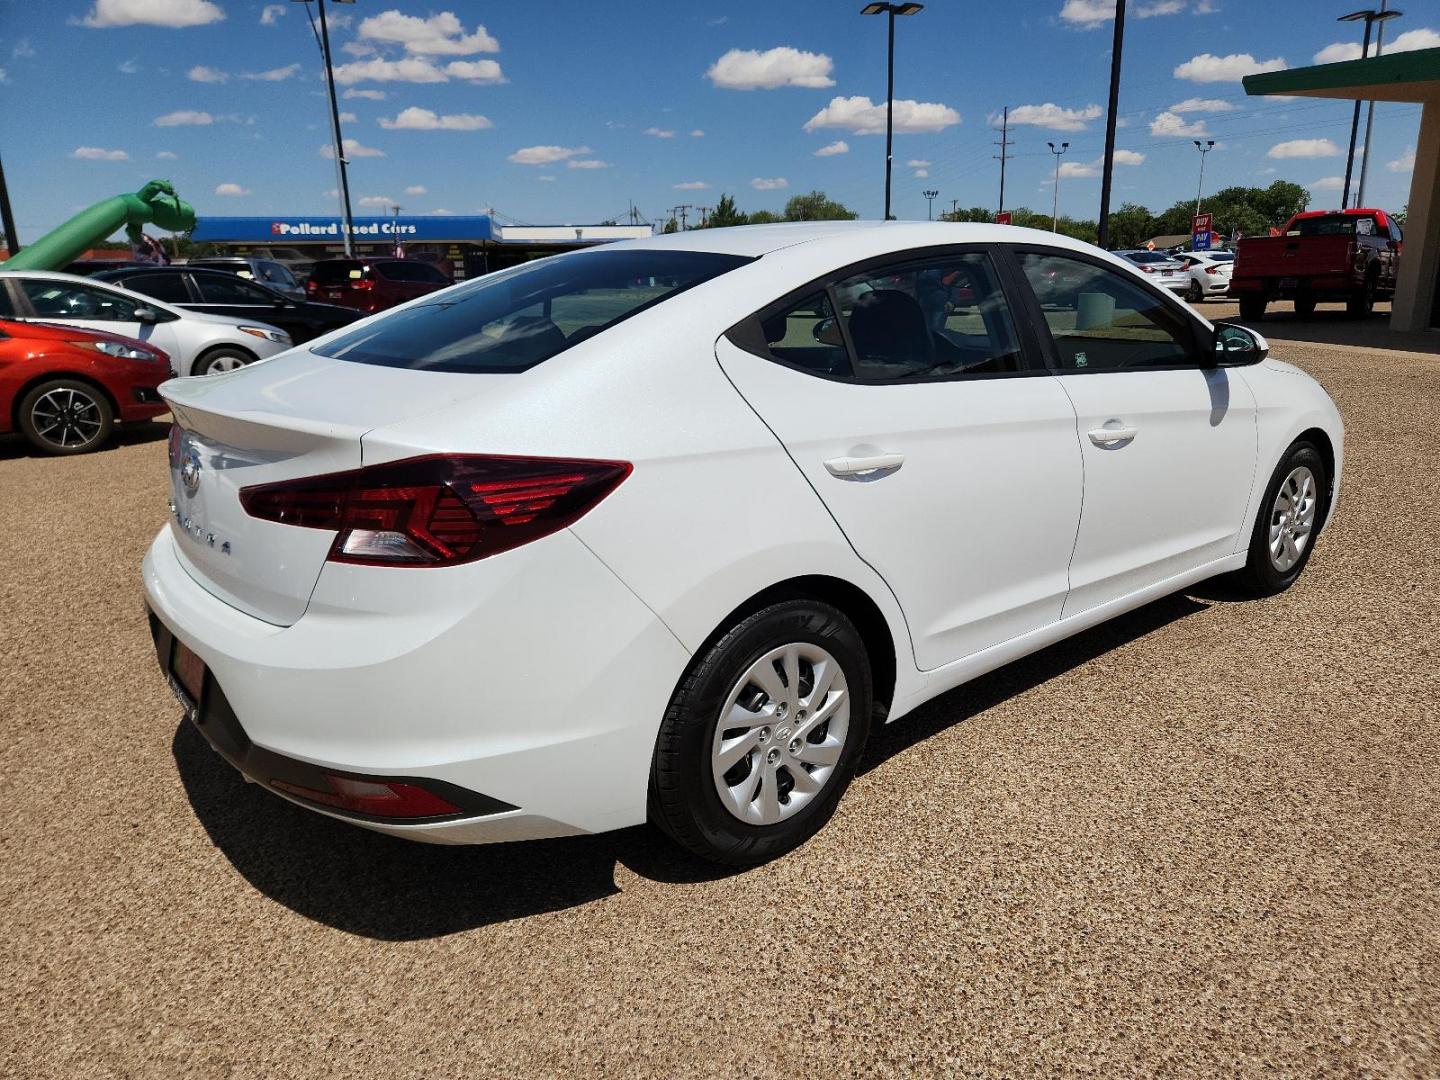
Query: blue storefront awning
320, 229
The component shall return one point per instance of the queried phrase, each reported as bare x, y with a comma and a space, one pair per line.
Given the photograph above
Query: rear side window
337, 272
224, 289
168, 286
513, 320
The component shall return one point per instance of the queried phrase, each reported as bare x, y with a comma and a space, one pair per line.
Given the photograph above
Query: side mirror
1238, 346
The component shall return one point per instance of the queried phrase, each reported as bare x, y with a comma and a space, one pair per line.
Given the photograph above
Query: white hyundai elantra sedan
658, 531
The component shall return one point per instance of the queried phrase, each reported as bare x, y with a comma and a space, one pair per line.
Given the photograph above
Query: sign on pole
1200, 230
1004, 217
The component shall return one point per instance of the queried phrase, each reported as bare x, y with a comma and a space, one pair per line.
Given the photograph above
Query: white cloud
586, 163
167, 155
23, 50
1052, 116
440, 211
1087, 14
417, 189
750, 69
917, 163
439, 35
368, 95
172, 13
546, 179
772, 184
547, 155
1327, 183
1404, 163
418, 69
353, 149
1304, 148
921, 174
659, 133
95, 153
231, 189
1407, 42
348, 118
375, 200
417, 119
203, 74
1128, 157
1167, 123
863, 117
128, 67
1075, 168
839, 146
1197, 104
358, 48
697, 134
279, 74
1341, 50
691, 185
1208, 68
184, 118
271, 13
1206, 7
1159, 7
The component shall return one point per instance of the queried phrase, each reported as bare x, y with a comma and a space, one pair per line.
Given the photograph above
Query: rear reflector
438, 510
379, 798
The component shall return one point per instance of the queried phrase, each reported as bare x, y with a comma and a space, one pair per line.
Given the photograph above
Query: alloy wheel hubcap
1292, 518
66, 418
781, 733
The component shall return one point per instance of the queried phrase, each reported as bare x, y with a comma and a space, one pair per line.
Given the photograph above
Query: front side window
63, 300
276, 274
515, 319
226, 289
1101, 320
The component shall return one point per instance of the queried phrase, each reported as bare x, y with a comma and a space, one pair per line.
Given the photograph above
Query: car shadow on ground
148, 431
380, 887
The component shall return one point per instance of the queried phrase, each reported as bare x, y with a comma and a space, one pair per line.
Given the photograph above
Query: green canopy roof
1401, 76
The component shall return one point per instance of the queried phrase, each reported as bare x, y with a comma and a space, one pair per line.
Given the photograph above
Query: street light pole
1102, 237
930, 198
339, 143
7, 219
1370, 106
1204, 148
890, 10
1370, 18
1055, 203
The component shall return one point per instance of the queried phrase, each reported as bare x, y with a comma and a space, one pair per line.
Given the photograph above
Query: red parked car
65, 388
373, 284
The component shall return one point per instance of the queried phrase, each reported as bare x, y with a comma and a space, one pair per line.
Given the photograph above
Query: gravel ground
1199, 841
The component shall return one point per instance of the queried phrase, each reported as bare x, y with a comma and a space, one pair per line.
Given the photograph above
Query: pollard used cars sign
326, 229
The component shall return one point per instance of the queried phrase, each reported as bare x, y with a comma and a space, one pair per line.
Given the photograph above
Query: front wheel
1252, 306
1293, 509
226, 359
763, 735
1195, 293
66, 416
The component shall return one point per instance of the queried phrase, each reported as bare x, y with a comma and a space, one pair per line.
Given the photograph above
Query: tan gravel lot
1203, 840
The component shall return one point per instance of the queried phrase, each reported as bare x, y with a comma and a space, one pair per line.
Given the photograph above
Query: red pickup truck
1341, 255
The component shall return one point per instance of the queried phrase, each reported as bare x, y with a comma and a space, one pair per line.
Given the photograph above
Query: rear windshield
1221, 256
1333, 225
521, 317
339, 271
1148, 257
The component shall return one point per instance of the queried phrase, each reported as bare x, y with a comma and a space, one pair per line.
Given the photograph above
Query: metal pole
12, 239
1102, 237
1204, 149
930, 200
1055, 202
1355, 122
335, 132
1004, 152
1370, 111
889, 110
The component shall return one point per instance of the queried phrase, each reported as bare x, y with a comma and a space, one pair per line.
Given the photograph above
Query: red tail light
362, 284
1212, 269
311, 287
438, 510
380, 798
1148, 269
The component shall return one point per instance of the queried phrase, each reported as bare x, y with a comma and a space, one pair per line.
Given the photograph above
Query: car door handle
864, 468
1109, 436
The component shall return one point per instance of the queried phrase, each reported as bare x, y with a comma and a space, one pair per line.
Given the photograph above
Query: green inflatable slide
155, 203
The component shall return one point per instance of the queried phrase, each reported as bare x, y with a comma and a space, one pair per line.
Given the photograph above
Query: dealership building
474, 243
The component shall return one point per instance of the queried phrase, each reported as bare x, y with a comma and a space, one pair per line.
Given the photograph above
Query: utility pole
1004, 154
1204, 148
339, 143
1370, 18
1108, 167
1055, 204
890, 11
930, 200
954, 209
12, 239
1370, 108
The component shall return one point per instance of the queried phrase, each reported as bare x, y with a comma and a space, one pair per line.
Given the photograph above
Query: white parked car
1169, 272
1209, 273
198, 344
657, 531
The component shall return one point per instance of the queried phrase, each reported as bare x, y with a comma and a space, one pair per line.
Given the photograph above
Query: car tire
1298, 492
66, 416
725, 731
225, 358
1252, 307
1305, 306
1195, 293
1362, 300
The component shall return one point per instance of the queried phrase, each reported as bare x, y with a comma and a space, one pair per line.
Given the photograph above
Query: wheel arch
1322, 442
13, 416
221, 346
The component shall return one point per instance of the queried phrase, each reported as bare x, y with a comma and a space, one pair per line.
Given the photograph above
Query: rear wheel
66, 416
1305, 306
1293, 509
1362, 300
1252, 306
223, 359
763, 735
1195, 293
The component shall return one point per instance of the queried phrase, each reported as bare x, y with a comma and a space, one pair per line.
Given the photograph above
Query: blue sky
564, 112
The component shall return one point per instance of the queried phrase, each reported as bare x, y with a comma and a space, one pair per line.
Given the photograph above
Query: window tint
339, 271
807, 336
224, 289
64, 300
275, 274
7, 306
1101, 320
941, 317
1147, 256
518, 318
168, 286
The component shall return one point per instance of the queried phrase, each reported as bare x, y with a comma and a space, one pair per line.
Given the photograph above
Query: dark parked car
373, 284
216, 292
90, 267
255, 268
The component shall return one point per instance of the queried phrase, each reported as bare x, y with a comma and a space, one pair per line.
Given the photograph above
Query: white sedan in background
1168, 270
198, 344
1209, 273
657, 531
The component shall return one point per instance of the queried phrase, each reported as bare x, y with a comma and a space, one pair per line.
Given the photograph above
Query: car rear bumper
535, 693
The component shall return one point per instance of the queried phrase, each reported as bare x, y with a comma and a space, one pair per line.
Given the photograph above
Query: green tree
974, 213
1131, 226
816, 207
671, 226
725, 214
764, 217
